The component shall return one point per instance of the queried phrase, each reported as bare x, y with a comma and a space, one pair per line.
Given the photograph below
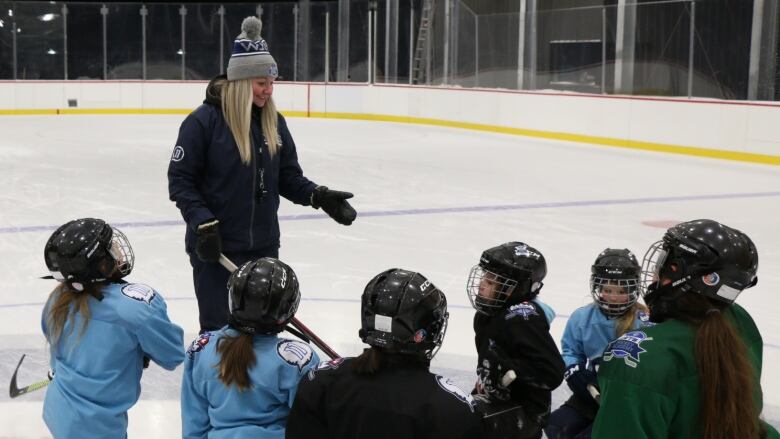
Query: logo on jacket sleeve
294, 353
627, 347
450, 387
178, 154
198, 344
525, 310
139, 292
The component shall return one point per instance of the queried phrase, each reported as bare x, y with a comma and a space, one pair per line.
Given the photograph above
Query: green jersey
649, 382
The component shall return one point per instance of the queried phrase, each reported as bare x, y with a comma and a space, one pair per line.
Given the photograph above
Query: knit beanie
251, 58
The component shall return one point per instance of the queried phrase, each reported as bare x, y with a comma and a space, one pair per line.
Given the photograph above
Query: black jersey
402, 400
520, 337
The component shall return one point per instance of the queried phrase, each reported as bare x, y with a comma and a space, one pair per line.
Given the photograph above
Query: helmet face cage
122, 253
438, 339
488, 291
614, 296
654, 258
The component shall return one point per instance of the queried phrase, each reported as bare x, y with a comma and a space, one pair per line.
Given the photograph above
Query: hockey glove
147, 360
209, 245
578, 377
334, 203
493, 377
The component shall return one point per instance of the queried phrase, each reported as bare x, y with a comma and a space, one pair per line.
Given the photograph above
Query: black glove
209, 245
492, 379
146, 362
578, 378
335, 204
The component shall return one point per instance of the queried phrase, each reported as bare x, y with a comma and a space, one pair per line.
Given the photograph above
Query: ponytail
726, 377
369, 362
64, 302
237, 356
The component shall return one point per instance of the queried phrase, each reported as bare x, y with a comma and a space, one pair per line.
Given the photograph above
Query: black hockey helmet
264, 295
616, 270
88, 250
701, 256
404, 312
506, 275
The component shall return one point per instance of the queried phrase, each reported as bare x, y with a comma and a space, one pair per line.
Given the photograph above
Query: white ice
429, 199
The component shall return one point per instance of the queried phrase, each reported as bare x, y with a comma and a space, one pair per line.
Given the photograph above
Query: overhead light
18, 30
180, 52
47, 17
10, 12
1, 22
51, 52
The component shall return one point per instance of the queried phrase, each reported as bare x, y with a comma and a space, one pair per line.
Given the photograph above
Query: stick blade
13, 390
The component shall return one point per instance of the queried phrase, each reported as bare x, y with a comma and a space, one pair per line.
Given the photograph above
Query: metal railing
705, 48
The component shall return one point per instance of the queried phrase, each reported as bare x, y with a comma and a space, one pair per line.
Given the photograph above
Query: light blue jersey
97, 374
589, 331
210, 409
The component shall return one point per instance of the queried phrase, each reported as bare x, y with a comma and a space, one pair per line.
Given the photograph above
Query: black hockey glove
209, 245
147, 360
335, 204
578, 377
493, 376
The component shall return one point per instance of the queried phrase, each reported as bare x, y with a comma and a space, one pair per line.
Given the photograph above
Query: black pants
572, 420
210, 281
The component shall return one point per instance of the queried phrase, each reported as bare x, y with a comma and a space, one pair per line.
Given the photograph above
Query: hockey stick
508, 378
295, 323
15, 391
594, 392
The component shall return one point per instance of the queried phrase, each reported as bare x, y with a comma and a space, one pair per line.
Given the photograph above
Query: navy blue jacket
207, 180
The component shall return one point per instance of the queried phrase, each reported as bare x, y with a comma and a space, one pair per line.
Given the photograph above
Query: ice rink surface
429, 199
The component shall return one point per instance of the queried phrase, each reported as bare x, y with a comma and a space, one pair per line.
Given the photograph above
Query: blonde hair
237, 109
64, 303
625, 322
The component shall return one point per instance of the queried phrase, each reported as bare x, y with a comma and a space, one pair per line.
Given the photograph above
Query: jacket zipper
254, 196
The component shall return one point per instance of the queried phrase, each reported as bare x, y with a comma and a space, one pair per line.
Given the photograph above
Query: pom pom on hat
250, 28
251, 57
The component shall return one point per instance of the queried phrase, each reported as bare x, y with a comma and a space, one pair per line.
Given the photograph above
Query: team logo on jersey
420, 335
627, 347
198, 344
139, 292
178, 154
331, 364
525, 309
450, 387
294, 353
325, 365
644, 319
710, 279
